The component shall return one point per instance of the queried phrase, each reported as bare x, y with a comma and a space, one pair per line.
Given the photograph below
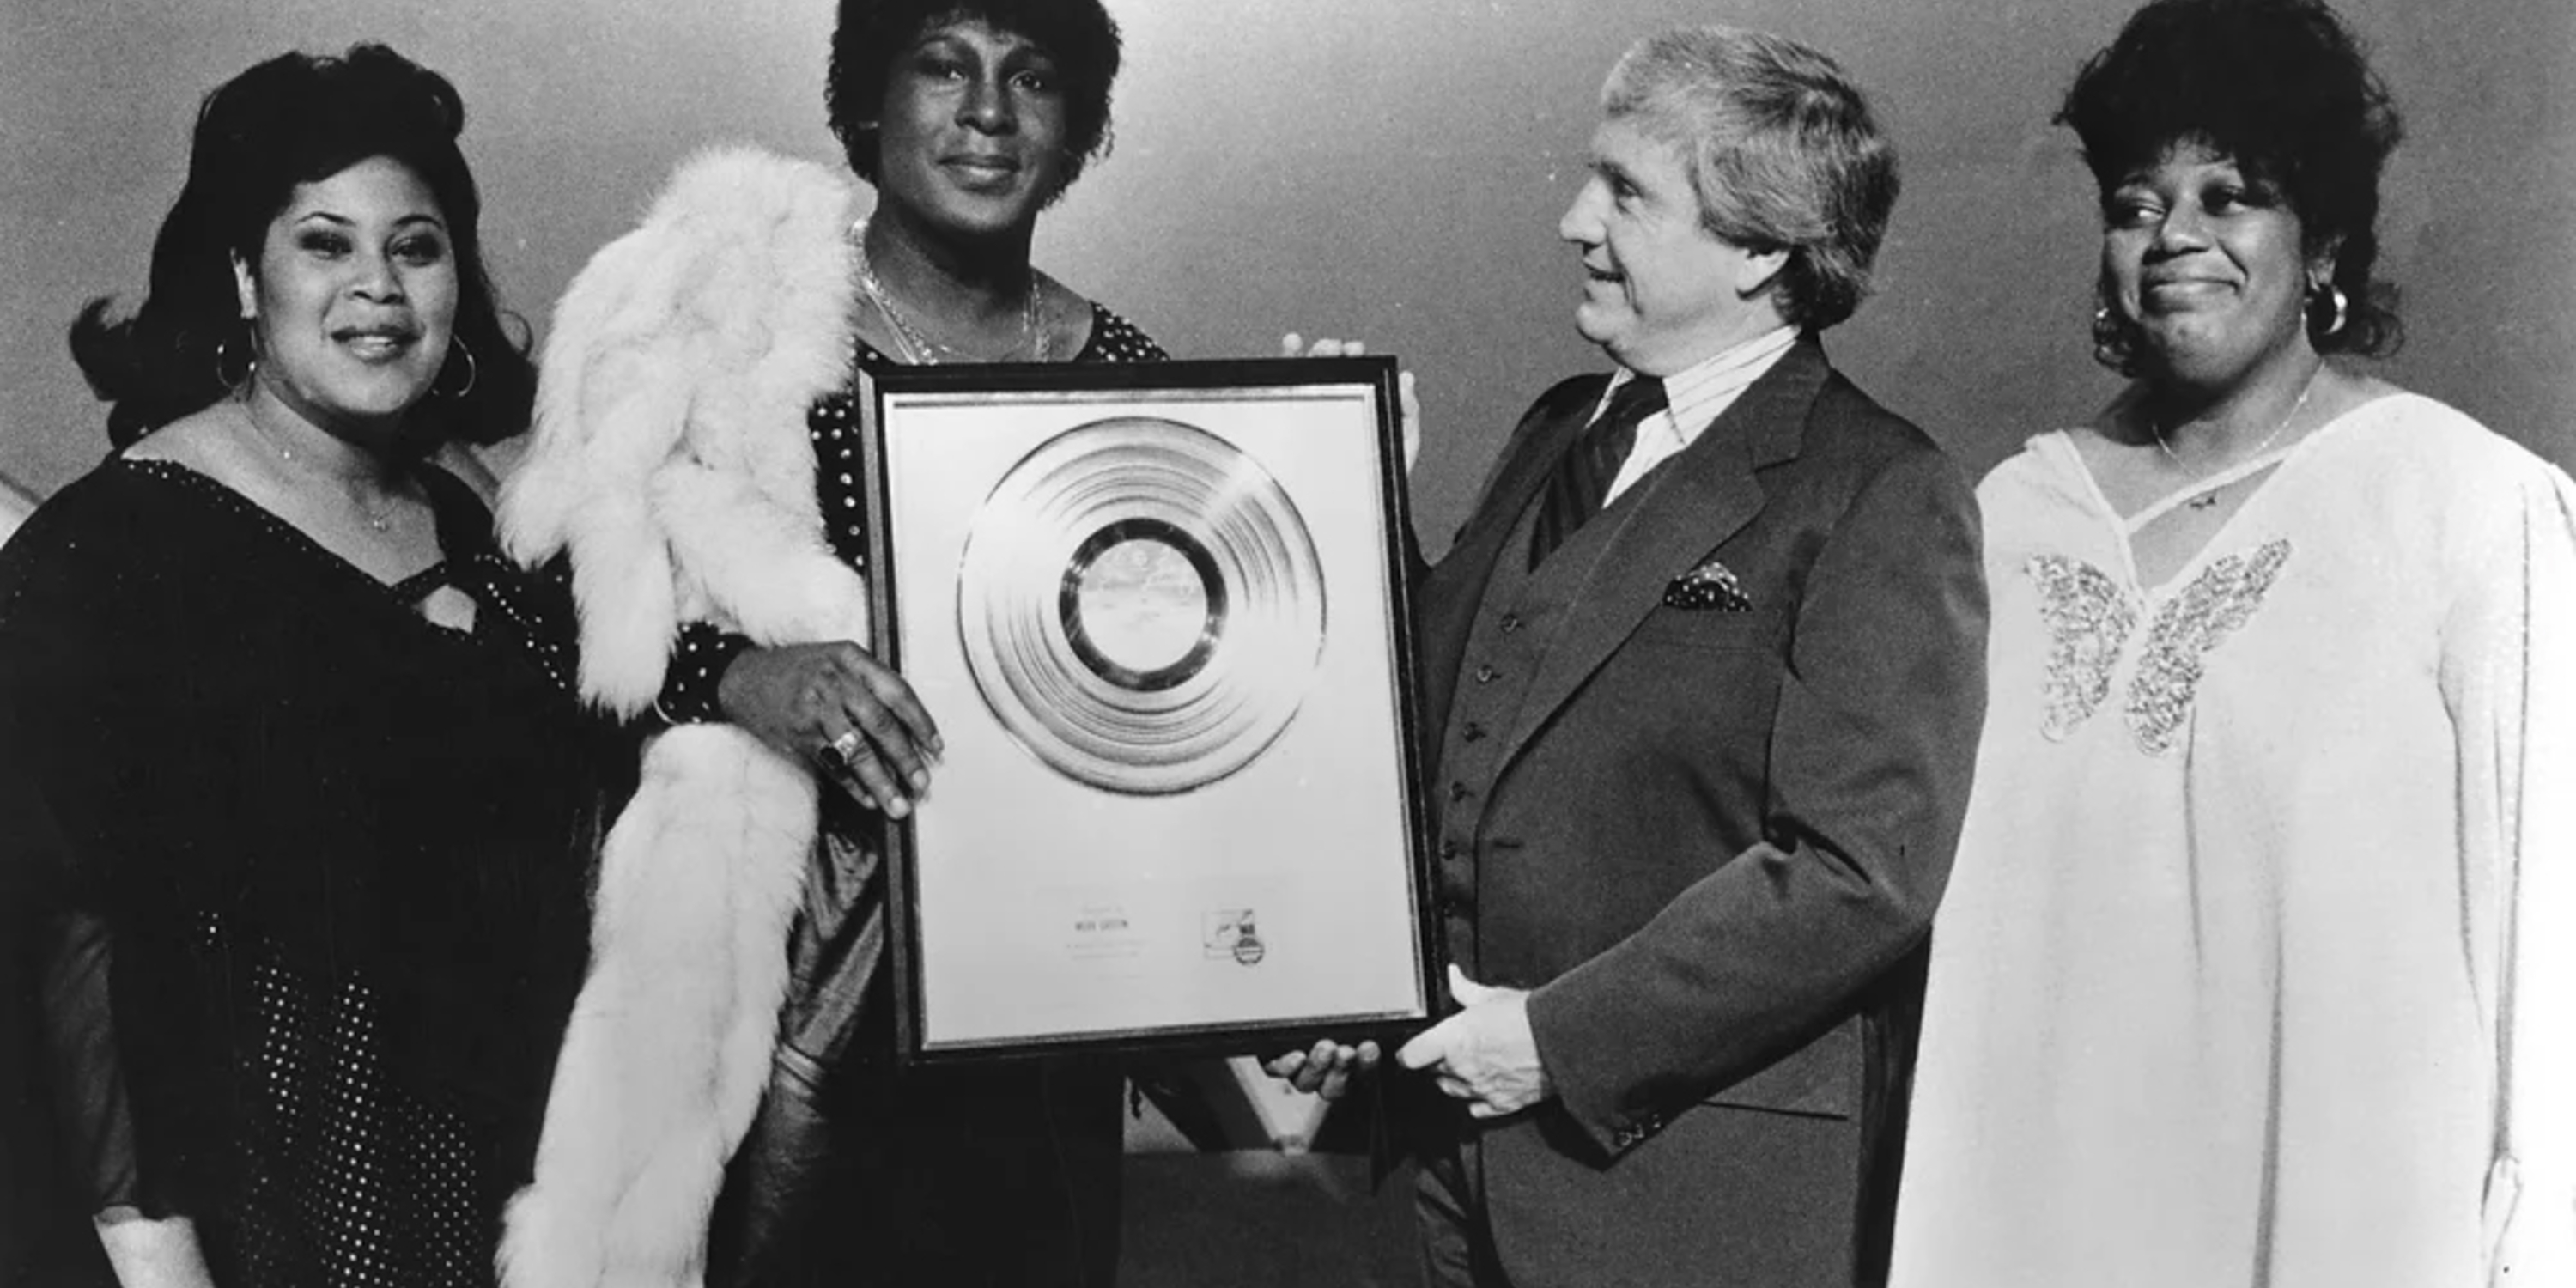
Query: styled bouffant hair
295, 119
2281, 88
870, 34
1783, 149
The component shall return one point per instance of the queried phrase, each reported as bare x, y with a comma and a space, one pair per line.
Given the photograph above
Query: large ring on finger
837, 754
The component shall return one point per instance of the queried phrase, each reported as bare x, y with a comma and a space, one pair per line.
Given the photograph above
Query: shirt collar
1695, 394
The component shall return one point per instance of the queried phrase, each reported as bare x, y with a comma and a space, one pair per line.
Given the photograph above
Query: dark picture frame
1161, 613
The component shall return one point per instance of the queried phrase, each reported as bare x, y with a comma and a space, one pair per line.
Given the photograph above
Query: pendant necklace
918, 348
2210, 498
378, 521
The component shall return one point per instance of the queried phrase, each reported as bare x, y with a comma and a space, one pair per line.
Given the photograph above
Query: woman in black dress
293, 788
696, 456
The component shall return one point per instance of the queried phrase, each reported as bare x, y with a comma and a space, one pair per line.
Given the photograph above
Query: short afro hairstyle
2281, 88
1078, 34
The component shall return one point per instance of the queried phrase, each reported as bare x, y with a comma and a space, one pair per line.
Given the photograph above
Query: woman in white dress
2256, 965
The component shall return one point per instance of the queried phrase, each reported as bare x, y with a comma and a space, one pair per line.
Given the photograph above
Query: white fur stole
670, 457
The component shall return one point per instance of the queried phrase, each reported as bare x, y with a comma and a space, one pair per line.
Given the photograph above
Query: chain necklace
919, 349
2157, 432
378, 520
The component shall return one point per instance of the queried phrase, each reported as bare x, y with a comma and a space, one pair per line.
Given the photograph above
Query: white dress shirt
1694, 397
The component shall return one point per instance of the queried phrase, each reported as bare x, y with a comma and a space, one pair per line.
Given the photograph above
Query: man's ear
246, 289
1760, 272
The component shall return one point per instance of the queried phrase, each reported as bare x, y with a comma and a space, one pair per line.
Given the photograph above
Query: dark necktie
1575, 490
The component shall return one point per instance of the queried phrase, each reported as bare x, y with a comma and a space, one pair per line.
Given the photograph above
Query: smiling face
2209, 265
973, 133
354, 295
1661, 291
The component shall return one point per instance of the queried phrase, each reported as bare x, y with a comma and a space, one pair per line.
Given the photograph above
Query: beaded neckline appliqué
2090, 618
2088, 621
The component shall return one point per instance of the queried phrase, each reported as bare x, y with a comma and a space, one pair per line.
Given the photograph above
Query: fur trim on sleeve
671, 460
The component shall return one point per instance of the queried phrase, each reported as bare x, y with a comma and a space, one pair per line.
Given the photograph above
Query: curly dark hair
1078, 34
2283, 89
294, 119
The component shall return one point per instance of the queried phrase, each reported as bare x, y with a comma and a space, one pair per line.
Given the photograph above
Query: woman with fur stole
696, 459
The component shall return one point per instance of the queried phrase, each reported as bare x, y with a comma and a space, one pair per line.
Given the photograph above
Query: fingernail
921, 780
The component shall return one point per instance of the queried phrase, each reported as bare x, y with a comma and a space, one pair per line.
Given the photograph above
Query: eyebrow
1609, 169
1015, 49
343, 221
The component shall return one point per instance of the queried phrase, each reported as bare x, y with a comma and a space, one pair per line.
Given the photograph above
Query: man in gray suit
1705, 672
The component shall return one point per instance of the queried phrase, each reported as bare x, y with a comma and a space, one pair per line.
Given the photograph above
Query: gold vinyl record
1141, 605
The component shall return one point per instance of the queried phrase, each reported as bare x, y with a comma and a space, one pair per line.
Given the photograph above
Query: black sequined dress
292, 900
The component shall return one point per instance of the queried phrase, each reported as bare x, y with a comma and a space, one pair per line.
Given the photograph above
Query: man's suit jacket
1699, 779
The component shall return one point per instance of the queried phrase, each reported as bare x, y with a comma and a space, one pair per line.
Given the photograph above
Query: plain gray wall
1389, 169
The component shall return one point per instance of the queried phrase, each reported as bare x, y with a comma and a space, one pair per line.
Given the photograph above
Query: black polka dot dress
703, 652
935, 1162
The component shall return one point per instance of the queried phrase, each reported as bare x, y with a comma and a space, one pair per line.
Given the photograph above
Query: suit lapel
1520, 478
1680, 512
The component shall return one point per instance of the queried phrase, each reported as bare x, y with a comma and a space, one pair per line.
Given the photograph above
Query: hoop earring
472, 371
223, 351
2109, 347
2335, 293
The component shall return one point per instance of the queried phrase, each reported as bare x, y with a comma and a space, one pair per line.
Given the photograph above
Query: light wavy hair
1783, 151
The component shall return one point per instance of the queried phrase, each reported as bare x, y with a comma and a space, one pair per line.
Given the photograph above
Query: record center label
1143, 604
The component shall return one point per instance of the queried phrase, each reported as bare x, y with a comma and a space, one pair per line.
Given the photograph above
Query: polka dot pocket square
1711, 587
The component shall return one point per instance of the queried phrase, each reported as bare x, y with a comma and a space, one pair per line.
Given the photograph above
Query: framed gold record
1159, 612
1141, 605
